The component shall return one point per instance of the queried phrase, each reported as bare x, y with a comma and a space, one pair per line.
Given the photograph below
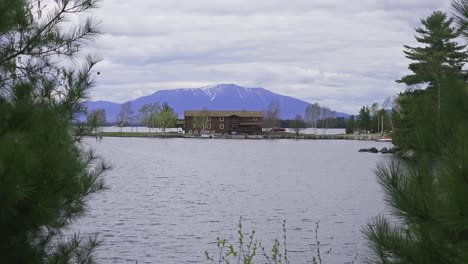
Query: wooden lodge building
222, 122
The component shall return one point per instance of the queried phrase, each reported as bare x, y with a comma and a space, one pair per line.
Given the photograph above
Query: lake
169, 199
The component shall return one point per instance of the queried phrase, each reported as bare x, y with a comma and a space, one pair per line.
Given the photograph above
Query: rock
373, 150
384, 151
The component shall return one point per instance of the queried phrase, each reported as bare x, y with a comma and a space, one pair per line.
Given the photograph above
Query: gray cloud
336, 52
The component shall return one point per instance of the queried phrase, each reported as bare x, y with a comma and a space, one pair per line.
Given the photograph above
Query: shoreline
366, 137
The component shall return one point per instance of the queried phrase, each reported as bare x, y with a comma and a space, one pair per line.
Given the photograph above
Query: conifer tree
428, 195
364, 119
439, 57
350, 125
46, 175
440, 53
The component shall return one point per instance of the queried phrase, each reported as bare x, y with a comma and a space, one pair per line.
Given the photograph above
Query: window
190, 131
208, 126
221, 119
208, 118
194, 125
255, 119
196, 131
221, 126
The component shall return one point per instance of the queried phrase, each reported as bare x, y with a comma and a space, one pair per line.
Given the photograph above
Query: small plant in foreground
252, 251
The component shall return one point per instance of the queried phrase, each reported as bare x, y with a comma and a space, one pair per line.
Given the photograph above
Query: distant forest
335, 122
332, 122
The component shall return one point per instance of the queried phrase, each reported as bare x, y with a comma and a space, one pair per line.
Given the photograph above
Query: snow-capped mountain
215, 97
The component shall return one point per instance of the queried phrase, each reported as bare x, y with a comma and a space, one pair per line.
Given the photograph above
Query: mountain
216, 97
112, 109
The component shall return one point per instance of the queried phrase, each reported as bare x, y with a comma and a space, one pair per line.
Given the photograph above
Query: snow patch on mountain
213, 97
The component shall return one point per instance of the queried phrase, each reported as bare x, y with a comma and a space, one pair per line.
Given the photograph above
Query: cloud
337, 52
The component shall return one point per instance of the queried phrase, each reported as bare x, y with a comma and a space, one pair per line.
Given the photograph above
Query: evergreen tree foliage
298, 124
440, 57
375, 119
351, 125
364, 119
428, 195
46, 176
417, 110
332, 122
384, 120
440, 54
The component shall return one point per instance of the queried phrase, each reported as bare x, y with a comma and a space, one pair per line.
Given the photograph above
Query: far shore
280, 135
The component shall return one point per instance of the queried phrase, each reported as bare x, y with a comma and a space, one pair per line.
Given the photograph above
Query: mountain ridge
213, 97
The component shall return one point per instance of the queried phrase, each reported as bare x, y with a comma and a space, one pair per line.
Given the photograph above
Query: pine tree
350, 125
440, 56
428, 195
46, 176
416, 110
364, 119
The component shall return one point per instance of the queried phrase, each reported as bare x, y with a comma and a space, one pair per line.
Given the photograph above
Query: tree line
153, 115
315, 117
331, 122
372, 119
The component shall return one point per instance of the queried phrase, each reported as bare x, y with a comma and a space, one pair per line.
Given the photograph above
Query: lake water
169, 199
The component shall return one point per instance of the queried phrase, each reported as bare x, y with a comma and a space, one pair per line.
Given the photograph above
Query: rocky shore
408, 154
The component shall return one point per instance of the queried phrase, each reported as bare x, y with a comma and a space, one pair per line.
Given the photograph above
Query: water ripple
170, 198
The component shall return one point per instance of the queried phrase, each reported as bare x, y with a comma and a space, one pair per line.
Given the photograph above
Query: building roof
224, 113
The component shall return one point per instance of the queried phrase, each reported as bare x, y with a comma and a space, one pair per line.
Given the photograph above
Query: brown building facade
221, 122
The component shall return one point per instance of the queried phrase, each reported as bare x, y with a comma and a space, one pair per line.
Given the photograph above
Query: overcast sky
339, 53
